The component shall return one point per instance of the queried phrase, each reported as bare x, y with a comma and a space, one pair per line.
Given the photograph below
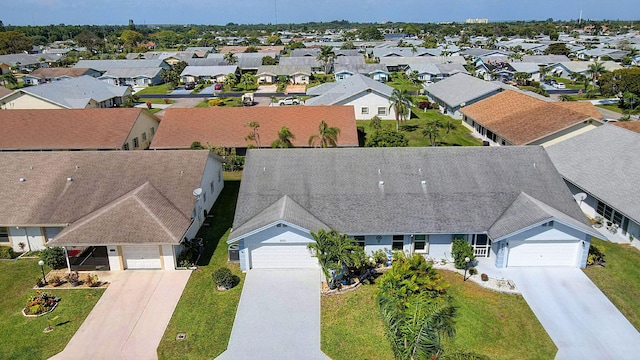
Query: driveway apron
130, 318
278, 317
578, 317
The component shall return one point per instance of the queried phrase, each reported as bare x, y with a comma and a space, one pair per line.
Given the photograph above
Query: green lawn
460, 136
158, 89
203, 313
619, 280
401, 82
155, 100
569, 83
616, 108
23, 337
228, 102
352, 327
501, 326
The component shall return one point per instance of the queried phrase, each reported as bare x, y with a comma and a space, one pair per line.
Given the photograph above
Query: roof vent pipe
22, 179
69, 179
381, 183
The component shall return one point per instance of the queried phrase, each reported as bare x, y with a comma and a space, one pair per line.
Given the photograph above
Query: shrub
92, 280
473, 271
596, 255
40, 303
6, 252
379, 257
462, 249
424, 105
53, 257
223, 278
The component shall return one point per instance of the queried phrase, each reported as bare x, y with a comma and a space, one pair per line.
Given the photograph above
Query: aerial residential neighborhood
288, 186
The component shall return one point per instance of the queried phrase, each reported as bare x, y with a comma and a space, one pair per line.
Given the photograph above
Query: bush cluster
6, 252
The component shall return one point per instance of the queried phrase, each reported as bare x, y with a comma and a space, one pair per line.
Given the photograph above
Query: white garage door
141, 257
289, 256
543, 253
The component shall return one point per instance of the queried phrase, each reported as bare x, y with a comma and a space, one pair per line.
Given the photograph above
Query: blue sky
118, 12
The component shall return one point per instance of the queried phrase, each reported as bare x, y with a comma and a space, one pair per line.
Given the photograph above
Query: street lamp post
466, 267
44, 278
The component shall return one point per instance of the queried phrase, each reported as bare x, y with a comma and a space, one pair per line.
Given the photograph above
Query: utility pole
580, 19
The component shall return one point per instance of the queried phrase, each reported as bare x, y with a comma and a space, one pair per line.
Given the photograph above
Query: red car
217, 87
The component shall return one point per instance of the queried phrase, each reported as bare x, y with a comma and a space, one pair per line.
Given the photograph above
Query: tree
230, 58
629, 100
414, 77
268, 60
273, 40
386, 138
231, 80
375, 123
460, 250
284, 139
335, 252
520, 77
326, 56
432, 131
557, 49
326, 137
251, 49
401, 103
370, 33
296, 45
595, 70
347, 45
196, 145
253, 134
13, 42
247, 80
88, 39
130, 38
9, 79
579, 78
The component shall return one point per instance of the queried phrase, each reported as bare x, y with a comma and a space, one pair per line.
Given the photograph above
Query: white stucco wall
143, 124
32, 237
212, 174
372, 101
114, 254
272, 234
24, 101
168, 259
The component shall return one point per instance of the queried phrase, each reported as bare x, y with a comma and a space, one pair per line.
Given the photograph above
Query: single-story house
514, 118
564, 69
106, 65
207, 73
601, 168
295, 74
435, 72
247, 62
458, 91
600, 53
416, 200
395, 64
136, 77
77, 129
316, 65
75, 93
47, 75
227, 126
27, 62
377, 72
367, 96
545, 60
115, 209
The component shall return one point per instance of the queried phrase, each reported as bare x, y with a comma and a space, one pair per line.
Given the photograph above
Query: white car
559, 85
289, 101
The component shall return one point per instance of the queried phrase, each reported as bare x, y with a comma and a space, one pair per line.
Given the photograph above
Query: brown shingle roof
583, 107
44, 73
521, 119
4, 91
160, 181
261, 49
629, 125
62, 129
227, 126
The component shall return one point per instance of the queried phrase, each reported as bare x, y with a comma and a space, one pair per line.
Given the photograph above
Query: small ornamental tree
223, 278
53, 257
462, 249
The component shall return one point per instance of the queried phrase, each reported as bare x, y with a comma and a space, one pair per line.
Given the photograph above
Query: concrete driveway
278, 317
130, 318
580, 319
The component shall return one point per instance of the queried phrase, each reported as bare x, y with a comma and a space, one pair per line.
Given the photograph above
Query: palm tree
326, 56
230, 58
253, 135
543, 72
414, 77
284, 139
595, 70
401, 103
247, 80
432, 131
326, 137
335, 252
580, 78
230, 80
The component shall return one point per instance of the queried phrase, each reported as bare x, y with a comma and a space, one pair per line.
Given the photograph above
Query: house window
398, 242
550, 223
360, 240
204, 197
4, 235
459, 237
219, 175
364, 111
144, 136
211, 186
126, 146
303, 78
153, 131
136, 143
382, 111
420, 244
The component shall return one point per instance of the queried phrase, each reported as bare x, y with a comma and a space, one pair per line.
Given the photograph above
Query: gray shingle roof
132, 73
284, 70
105, 65
77, 92
605, 163
335, 92
464, 190
461, 88
360, 68
209, 70
300, 60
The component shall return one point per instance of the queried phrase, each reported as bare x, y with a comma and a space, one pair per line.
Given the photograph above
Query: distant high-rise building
477, 21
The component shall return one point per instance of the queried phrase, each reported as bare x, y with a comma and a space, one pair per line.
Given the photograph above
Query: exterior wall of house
141, 130
342, 75
168, 258
567, 133
440, 246
24, 101
114, 253
380, 76
269, 79
32, 237
372, 102
273, 234
211, 185
301, 79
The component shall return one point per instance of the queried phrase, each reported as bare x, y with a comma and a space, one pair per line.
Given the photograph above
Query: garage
141, 257
544, 253
281, 256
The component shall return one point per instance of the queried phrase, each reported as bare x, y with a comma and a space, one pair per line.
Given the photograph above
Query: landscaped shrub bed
6, 252
40, 303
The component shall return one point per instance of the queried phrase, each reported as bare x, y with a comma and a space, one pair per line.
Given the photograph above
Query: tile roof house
121, 209
227, 127
629, 125
77, 129
367, 96
76, 93
514, 118
602, 168
459, 90
47, 75
509, 203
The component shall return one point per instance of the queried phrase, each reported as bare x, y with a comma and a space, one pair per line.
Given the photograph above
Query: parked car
559, 85
289, 101
247, 99
189, 86
217, 87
